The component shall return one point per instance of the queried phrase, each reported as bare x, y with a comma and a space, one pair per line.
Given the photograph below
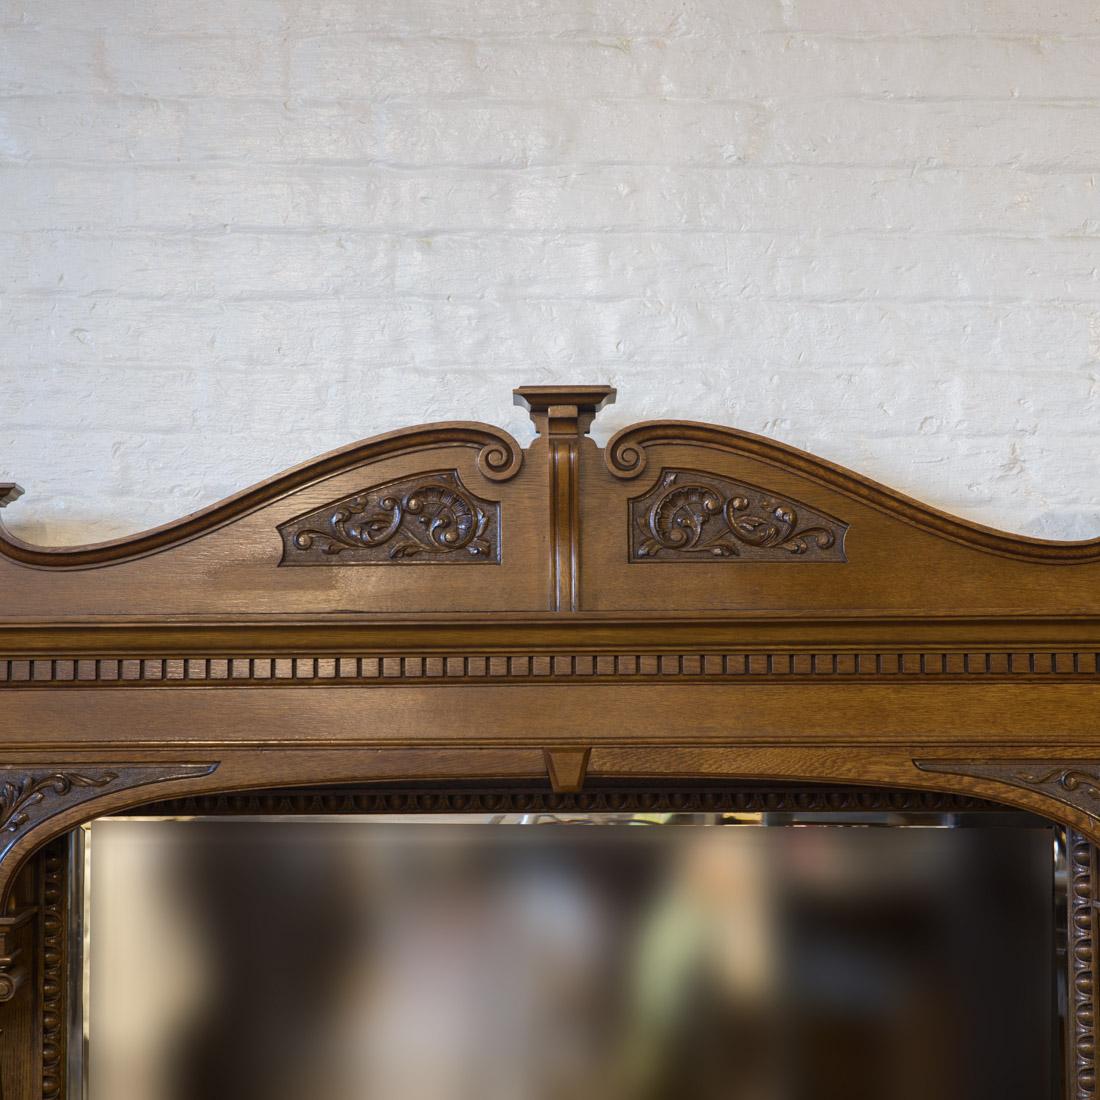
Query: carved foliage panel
692, 516
431, 517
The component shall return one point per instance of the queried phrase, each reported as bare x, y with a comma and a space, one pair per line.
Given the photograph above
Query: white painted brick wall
234, 233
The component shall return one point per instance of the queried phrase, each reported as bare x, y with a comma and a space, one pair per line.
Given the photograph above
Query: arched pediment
438, 606
672, 517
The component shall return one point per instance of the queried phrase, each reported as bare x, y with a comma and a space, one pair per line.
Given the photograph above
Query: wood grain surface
841, 633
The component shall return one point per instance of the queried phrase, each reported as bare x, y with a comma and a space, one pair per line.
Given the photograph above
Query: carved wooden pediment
566, 524
805, 625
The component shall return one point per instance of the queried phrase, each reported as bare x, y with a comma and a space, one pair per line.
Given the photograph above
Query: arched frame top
498, 458
438, 604
690, 588
627, 457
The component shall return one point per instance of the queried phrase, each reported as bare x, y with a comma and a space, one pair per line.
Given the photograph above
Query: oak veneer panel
1028, 714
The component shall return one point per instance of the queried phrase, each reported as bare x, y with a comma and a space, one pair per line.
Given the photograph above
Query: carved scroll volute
430, 517
694, 516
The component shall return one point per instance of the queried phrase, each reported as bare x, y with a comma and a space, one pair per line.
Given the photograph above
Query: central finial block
563, 410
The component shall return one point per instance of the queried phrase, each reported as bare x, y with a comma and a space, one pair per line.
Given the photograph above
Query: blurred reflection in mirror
361, 960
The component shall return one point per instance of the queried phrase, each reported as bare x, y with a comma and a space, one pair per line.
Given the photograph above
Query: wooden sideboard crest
693, 516
566, 678
431, 517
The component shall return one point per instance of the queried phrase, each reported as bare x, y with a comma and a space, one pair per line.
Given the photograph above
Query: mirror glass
366, 959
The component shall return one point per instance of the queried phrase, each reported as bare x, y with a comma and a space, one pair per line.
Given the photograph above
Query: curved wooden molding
1075, 783
499, 458
31, 794
443, 680
626, 458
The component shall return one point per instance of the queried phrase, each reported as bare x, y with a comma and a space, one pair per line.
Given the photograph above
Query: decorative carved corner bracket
29, 796
693, 516
32, 794
1075, 783
431, 517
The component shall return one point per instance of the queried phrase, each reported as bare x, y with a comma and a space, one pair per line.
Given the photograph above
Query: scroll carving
499, 458
19, 798
431, 517
1075, 783
690, 516
30, 795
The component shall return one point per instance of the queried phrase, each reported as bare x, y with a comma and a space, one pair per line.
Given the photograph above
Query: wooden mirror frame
691, 603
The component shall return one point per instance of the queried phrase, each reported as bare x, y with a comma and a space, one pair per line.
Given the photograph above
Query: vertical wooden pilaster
562, 417
55, 914
19, 1054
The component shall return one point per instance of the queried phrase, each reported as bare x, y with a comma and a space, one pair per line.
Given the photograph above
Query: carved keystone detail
691, 516
431, 517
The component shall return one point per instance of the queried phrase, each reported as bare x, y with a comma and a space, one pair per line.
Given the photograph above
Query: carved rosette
691, 516
431, 517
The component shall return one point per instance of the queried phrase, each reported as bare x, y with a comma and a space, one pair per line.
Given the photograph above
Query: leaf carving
30, 795
430, 517
1073, 782
19, 797
704, 517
